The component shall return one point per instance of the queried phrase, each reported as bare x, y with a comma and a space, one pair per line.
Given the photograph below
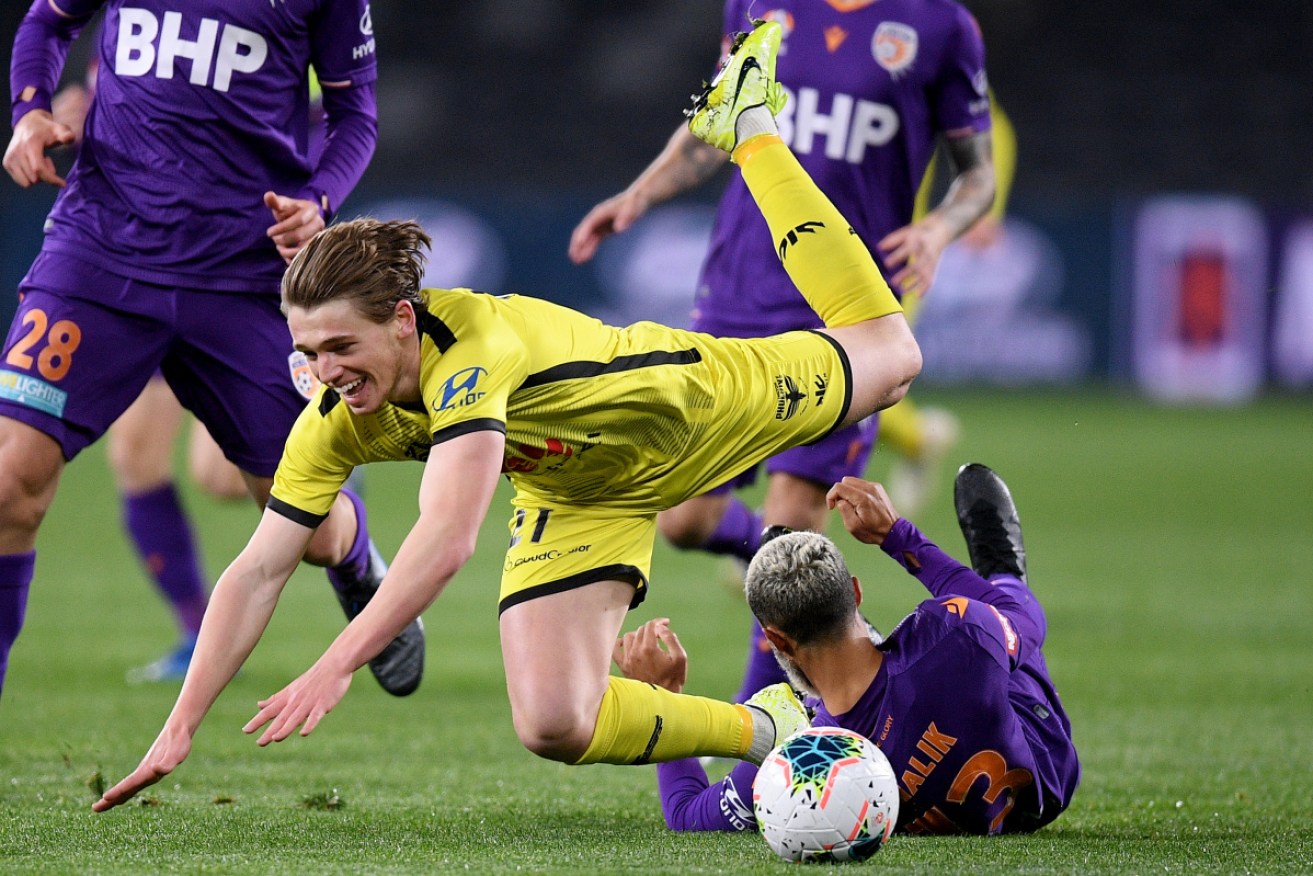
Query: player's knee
902, 365
685, 526
22, 507
223, 481
28, 475
559, 734
138, 466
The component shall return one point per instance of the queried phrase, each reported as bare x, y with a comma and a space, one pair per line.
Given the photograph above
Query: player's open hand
26, 159
170, 749
295, 221
303, 704
912, 253
613, 216
652, 653
865, 508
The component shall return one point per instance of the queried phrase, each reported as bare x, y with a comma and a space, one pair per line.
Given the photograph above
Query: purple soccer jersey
197, 114
871, 85
962, 706
162, 226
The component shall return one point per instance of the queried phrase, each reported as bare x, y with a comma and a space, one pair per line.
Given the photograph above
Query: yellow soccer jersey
636, 418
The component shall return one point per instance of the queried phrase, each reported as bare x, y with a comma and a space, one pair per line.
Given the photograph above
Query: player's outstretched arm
240, 607
870, 517
460, 478
685, 163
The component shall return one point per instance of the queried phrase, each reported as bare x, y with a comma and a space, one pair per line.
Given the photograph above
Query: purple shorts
85, 341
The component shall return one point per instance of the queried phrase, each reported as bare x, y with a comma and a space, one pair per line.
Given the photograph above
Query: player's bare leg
691, 524
30, 464
210, 469
567, 707
557, 653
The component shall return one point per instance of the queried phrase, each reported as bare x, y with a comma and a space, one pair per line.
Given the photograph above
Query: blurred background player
920, 437
958, 697
140, 451
159, 255
872, 88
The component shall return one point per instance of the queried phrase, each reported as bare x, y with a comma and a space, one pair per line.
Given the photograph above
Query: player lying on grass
598, 428
958, 697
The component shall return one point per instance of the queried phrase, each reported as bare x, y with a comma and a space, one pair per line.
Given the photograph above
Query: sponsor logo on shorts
822, 382
461, 389
32, 393
791, 239
303, 376
544, 556
894, 46
790, 397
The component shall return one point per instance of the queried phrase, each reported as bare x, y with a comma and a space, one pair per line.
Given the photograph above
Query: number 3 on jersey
56, 357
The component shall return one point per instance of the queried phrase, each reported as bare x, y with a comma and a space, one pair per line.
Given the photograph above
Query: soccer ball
826, 794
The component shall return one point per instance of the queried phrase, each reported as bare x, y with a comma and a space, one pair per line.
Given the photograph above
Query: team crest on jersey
894, 46
790, 396
303, 377
461, 389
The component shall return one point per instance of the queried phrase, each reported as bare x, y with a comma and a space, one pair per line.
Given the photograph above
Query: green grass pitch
1172, 548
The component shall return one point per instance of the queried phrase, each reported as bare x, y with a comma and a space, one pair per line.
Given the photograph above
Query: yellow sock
641, 723
826, 261
902, 429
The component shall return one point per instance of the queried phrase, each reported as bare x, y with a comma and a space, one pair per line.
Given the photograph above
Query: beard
796, 676
799, 679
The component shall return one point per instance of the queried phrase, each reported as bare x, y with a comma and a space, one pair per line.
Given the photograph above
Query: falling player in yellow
598, 428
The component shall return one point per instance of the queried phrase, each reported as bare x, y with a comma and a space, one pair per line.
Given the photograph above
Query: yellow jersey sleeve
320, 453
466, 383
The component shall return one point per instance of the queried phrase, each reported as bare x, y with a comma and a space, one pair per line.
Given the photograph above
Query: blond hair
800, 584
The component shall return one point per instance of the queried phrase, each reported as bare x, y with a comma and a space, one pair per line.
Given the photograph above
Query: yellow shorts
769, 394
554, 549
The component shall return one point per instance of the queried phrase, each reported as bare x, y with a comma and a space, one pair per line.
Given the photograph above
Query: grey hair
800, 584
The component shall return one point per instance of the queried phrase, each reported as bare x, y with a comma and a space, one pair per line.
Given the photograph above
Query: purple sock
738, 533
15, 579
762, 670
162, 535
356, 562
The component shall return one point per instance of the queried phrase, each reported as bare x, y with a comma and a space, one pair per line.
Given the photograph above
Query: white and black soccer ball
826, 794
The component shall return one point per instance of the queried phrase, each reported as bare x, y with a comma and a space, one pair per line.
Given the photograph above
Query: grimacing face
364, 361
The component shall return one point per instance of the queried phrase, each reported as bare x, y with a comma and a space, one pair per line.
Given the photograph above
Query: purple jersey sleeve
343, 54
352, 121
690, 803
941, 574
961, 93
40, 49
